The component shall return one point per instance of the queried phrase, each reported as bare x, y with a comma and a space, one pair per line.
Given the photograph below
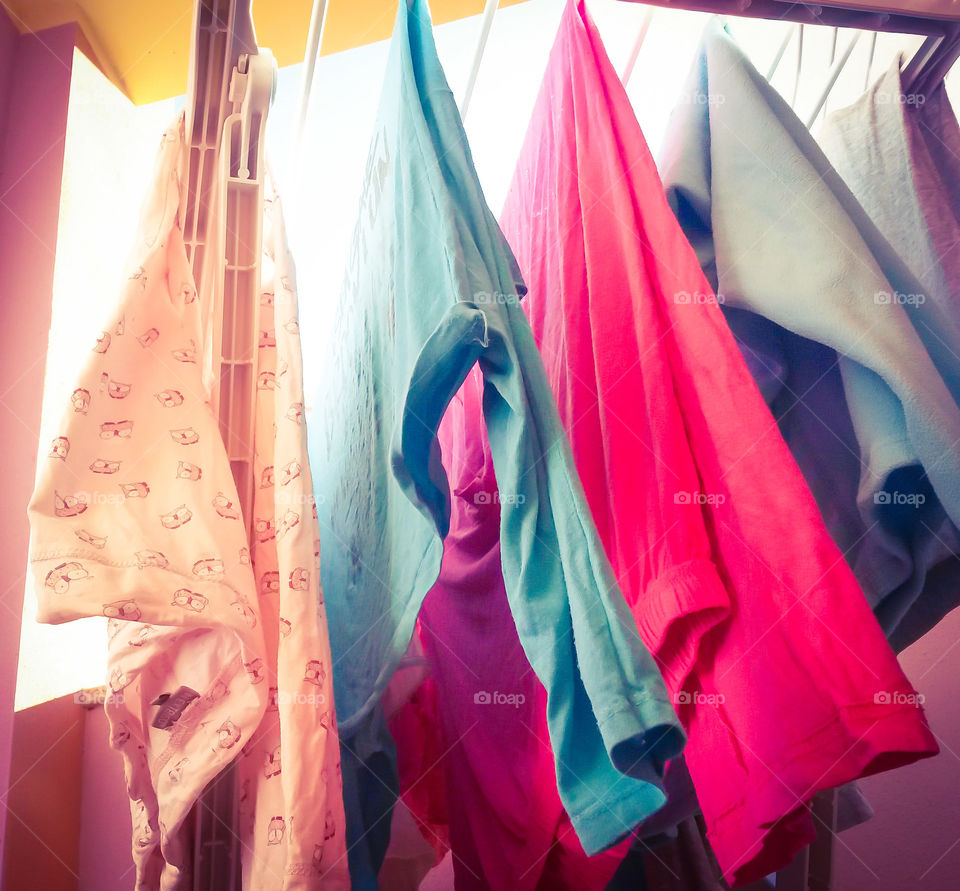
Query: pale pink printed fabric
297, 739
214, 652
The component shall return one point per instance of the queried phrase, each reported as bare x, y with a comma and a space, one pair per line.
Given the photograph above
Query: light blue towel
431, 289
900, 155
853, 360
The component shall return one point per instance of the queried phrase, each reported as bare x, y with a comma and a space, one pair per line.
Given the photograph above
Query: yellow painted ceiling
143, 46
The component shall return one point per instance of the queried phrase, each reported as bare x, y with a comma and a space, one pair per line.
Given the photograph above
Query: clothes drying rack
938, 21
231, 85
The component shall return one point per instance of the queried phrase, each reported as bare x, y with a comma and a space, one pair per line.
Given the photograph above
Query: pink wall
106, 861
34, 90
8, 42
9, 620
914, 839
43, 825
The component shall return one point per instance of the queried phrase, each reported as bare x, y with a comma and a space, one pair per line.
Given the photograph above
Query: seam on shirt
801, 747
638, 698
116, 564
604, 807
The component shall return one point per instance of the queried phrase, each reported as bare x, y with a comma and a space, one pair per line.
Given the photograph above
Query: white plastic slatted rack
231, 85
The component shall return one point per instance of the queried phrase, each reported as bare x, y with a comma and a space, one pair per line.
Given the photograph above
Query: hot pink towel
779, 671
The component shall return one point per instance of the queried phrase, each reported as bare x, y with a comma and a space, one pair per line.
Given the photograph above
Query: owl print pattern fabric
218, 647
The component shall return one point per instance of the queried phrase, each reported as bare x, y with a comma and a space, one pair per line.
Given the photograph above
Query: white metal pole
834, 74
318, 16
635, 52
781, 50
489, 11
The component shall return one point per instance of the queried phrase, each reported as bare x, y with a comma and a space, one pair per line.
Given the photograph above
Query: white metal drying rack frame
230, 87
937, 20
926, 17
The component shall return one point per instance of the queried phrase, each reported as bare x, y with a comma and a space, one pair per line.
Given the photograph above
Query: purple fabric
508, 829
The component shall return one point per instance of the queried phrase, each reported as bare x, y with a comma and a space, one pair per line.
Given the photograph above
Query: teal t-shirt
431, 289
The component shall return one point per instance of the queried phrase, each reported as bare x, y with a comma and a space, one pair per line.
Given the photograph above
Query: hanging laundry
900, 155
508, 829
218, 651
734, 582
684, 863
431, 289
853, 359
421, 753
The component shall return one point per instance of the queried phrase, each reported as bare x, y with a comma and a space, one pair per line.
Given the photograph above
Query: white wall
108, 158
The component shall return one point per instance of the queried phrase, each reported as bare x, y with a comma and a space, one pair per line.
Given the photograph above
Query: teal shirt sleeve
607, 710
440, 369
611, 725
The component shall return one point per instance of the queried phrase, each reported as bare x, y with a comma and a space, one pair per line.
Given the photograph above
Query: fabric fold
136, 517
676, 610
431, 284
508, 828
735, 583
856, 357
898, 154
